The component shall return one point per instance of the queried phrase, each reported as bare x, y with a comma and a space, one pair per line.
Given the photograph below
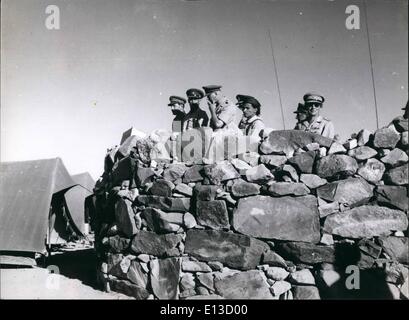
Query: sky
112, 65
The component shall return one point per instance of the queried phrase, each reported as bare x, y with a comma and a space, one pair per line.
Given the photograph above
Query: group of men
244, 115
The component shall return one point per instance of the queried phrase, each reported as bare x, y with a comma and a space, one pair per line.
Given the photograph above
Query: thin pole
370, 59
276, 76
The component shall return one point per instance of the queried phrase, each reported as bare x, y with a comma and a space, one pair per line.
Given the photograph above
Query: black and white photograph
219, 151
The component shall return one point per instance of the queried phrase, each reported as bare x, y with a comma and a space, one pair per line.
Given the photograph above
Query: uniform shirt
253, 126
228, 113
196, 119
322, 126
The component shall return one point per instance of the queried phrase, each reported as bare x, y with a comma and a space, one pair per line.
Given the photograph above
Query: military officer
251, 116
223, 113
178, 109
196, 117
316, 123
302, 117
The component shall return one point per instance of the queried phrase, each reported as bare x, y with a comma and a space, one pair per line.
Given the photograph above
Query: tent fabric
26, 191
75, 198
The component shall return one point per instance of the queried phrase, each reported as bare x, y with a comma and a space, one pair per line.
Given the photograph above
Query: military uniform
177, 123
196, 117
253, 126
322, 126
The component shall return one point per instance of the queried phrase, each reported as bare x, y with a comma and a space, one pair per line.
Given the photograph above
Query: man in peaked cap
251, 116
196, 117
302, 117
224, 114
316, 123
178, 109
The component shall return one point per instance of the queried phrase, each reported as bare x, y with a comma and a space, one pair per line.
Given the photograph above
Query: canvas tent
33, 210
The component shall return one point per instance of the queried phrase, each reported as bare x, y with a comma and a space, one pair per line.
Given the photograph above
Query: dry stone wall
282, 218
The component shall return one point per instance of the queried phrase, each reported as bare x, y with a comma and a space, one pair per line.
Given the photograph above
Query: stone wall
282, 221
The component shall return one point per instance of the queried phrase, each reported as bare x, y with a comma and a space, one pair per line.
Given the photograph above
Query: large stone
193, 174
144, 176
187, 282
277, 273
288, 188
164, 277
284, 218
386, 138
220, 172
206, 192
207, 280
363, 153
165, 203
306, 293
136, 274
288, 141
395, 158
117, 244
398, 175
234, 250
174, 172
351, 144
280, 287
336, 165
259, 174
195, 266
273, 160
160, 221
336, 148
372, 170
189, 221
327, 208
350, 192
244, 285
302, 277
307, 253
312, 181
363, 137
128, 288
290, 172
158, 245
123, 170
184, 189
396, 247
273, 259
240, 165
212, 214
394, 196
162, 188
251, 158
366, 222
124, 216
303, 162
241, 188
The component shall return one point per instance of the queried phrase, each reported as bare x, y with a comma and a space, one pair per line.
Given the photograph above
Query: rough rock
244, 285
336, 165
144, 176
165, 203
251, 158
366, 222
307, 253
287, 141
336, 148
327, 240
396, 247
280, 287
284, 218
386, 138
290, 172
363, 137
306, 293
351, 144
164, 277
123, 170
240, 165
215, 265
303, 162
207, 280
193, 174
259, 174
124, 216
206, 192
302, 277
241, 188
398, 175
372, 170
395, 158
325, 208
212, 214
277, 273
117, 244
273, 160
273, 259
288, 188
158, 245
234, 250
363, 153
350, 192
136, 275
162, 188
189, 220
128, 288
393, 196
174, 172
312, 181
220, 172
160, 221
195, 266
184, 189
187, 282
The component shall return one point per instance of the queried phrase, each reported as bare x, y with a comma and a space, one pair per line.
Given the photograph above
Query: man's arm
217, 123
